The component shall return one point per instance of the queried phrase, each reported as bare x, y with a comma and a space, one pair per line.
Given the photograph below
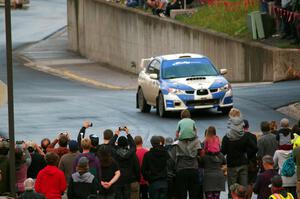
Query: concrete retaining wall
116, 35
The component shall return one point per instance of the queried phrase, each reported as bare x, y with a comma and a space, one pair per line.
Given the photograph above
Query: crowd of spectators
265, 163
284, 13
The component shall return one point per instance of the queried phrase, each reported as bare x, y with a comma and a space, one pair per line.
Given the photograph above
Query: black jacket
31, 195
82, 186
236, 151
155, 164
127, 160
37, 163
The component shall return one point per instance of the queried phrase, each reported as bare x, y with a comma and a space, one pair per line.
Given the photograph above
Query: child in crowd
186, 128
212, 141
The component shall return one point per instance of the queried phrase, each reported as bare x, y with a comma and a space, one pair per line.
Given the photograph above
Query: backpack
288, 167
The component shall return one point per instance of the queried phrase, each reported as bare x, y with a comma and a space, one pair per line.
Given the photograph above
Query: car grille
190, 92
202, 92
202, 102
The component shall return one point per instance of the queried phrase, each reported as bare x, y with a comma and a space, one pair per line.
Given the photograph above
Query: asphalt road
46, 105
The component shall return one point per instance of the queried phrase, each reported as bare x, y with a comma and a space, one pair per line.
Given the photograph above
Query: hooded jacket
235, 126
51, 182
94, 164
154, 166
284, 138
127, 161
82, 186
185, 154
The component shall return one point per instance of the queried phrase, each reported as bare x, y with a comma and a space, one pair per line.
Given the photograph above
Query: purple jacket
263, 180
94, 164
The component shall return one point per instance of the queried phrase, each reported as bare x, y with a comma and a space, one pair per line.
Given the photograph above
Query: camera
20, 142
122, 128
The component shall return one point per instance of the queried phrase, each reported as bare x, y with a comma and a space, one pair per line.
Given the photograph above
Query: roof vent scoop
185, 56
195, 78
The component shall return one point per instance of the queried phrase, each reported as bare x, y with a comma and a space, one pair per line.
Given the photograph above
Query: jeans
187, 181
135, 190
123, 191
237, 175
158, 189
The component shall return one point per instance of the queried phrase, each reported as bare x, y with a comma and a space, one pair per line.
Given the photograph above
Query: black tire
142, 103
160, 107
226, 110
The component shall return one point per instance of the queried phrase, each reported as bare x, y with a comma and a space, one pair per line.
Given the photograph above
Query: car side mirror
223, 71
153, 76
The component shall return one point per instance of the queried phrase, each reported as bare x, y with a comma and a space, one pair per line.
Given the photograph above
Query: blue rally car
182, 81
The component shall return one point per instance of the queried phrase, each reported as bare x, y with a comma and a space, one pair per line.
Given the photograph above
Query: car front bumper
178, 102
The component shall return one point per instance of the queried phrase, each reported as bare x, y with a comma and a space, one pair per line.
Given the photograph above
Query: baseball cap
73, 145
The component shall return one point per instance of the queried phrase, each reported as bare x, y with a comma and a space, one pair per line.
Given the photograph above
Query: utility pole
10, 95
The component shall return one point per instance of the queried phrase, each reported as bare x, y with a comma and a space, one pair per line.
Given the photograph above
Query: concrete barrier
3, 93
113, 34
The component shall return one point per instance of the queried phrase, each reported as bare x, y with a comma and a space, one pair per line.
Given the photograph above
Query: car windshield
188, 68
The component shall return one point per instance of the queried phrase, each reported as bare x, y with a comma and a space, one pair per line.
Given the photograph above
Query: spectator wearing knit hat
51, 181
124, 154
66, 161
82, 184
29, 191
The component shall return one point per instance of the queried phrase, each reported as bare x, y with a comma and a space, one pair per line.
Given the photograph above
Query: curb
292, 110
66, 74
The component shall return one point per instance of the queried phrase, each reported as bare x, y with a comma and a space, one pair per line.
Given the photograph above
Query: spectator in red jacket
51, 181
140, 152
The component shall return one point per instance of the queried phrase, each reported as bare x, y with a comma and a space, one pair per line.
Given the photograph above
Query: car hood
208, 82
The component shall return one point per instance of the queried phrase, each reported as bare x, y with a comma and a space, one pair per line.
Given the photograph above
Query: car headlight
176, 91
225, 88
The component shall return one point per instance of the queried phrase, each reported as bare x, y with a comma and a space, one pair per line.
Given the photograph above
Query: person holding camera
37, 160
81, 134
62, 140
124, 154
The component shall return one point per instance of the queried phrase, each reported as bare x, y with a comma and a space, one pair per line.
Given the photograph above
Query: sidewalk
52, 56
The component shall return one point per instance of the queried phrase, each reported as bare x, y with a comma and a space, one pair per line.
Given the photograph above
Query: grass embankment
223, 16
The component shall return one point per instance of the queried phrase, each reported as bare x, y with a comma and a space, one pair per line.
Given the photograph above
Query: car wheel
161, 106
226, 110
144, 107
